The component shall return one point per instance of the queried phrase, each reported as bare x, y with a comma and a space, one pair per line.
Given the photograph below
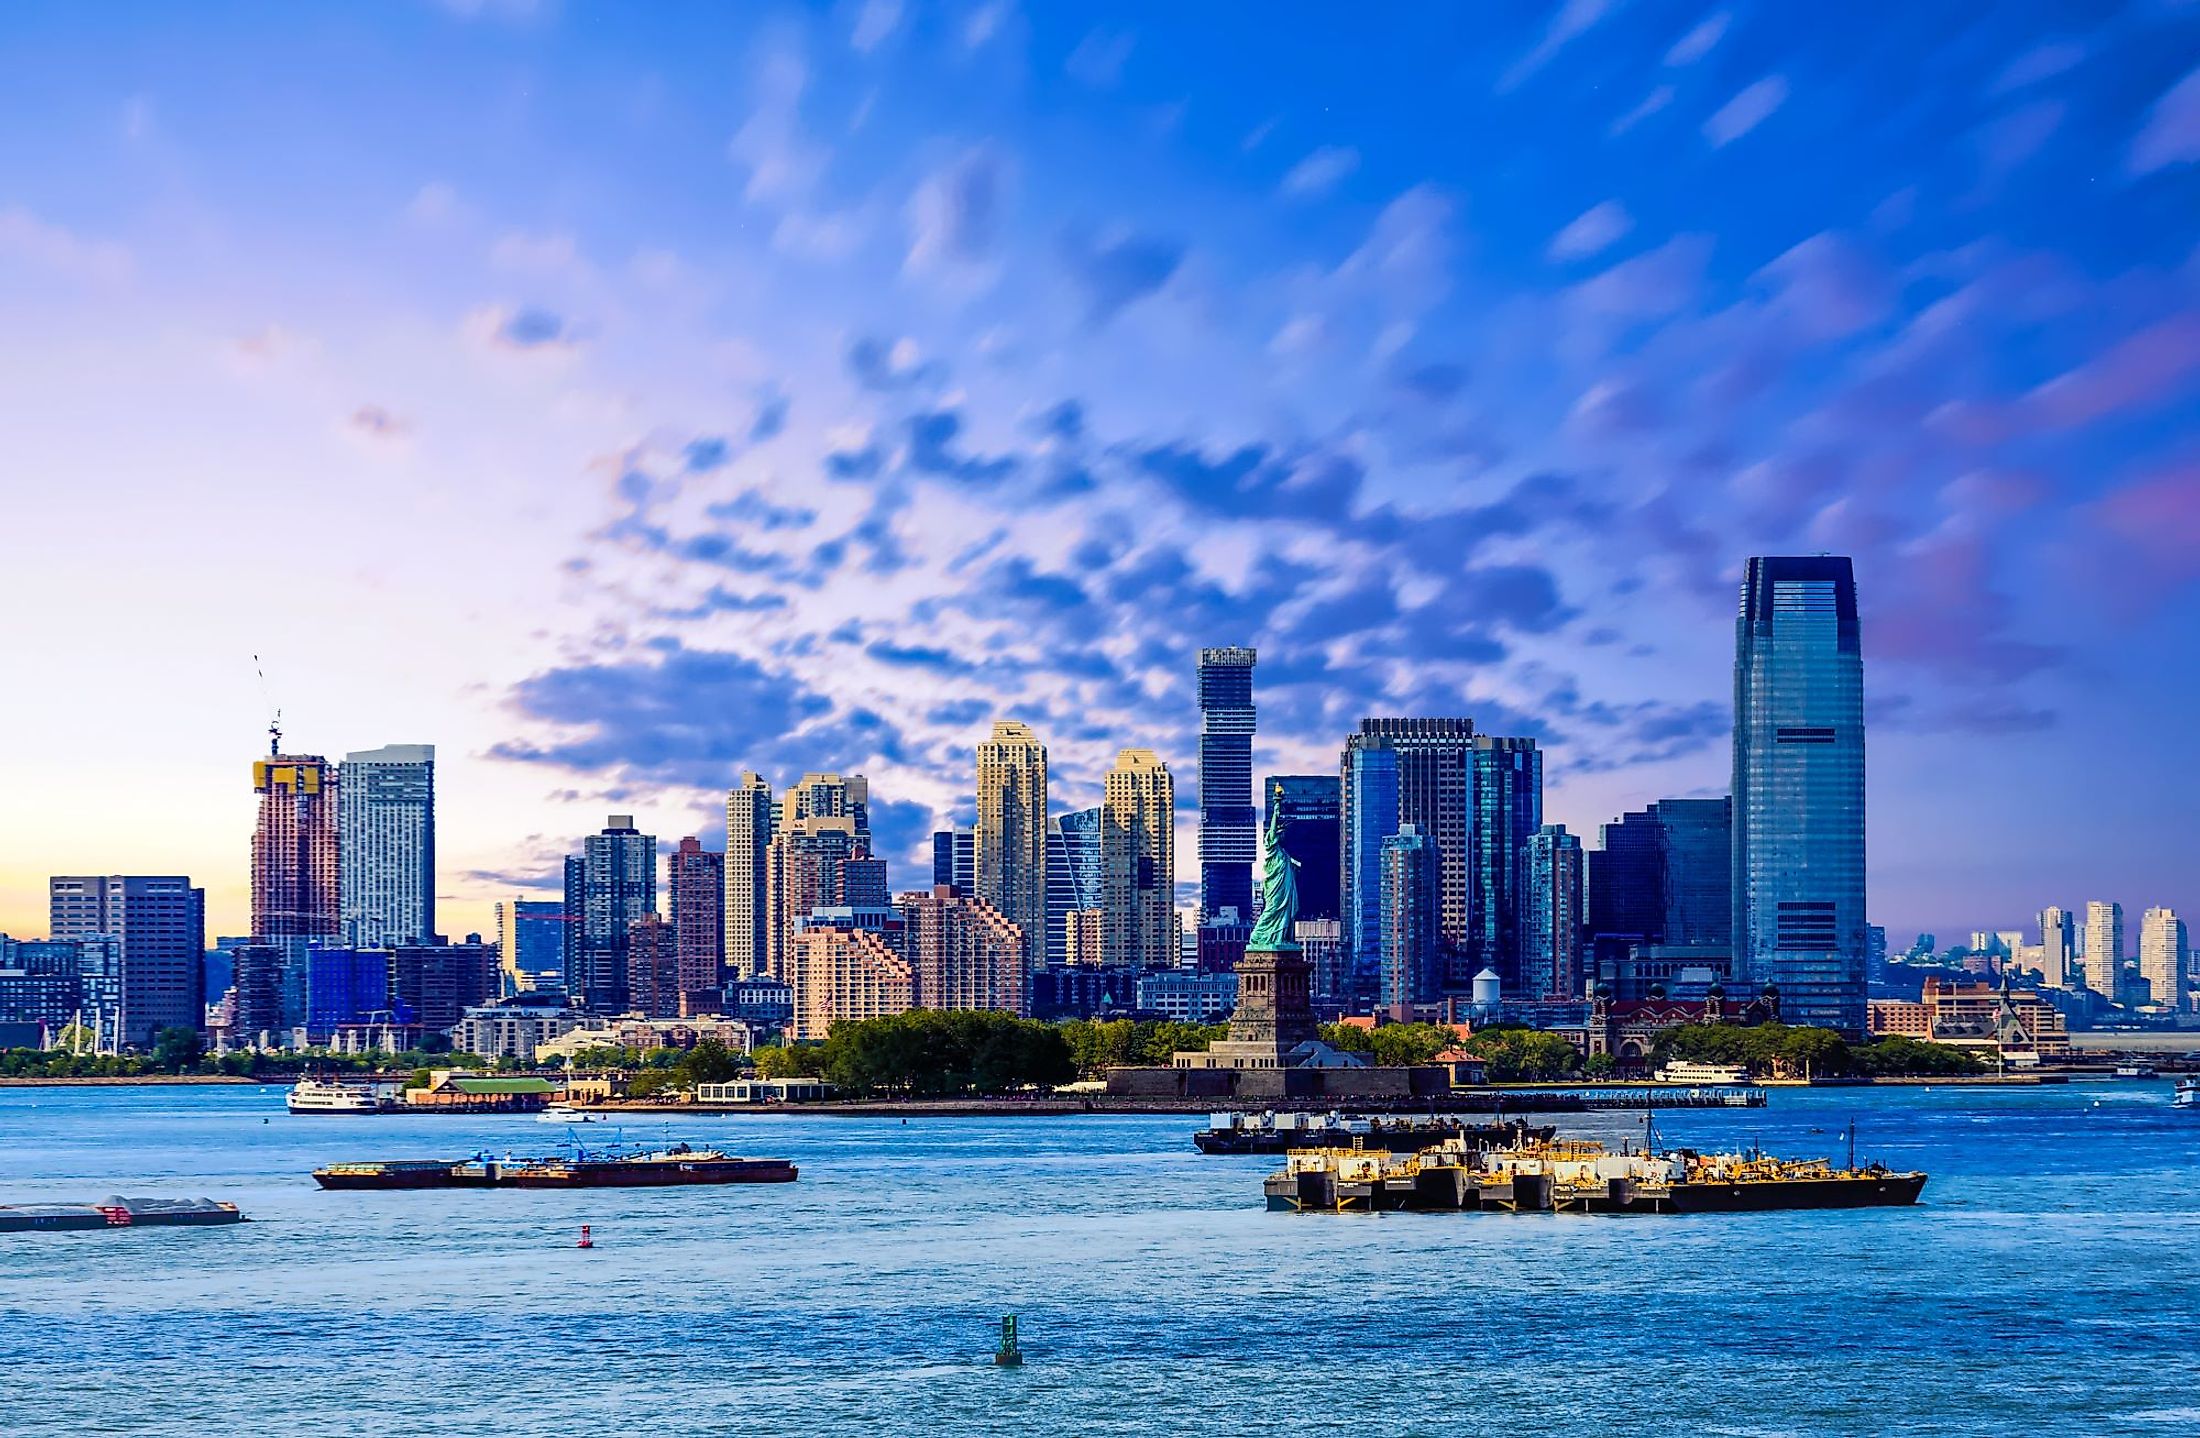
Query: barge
112, 1212
1577, 1176
660, 1168
1235, 1133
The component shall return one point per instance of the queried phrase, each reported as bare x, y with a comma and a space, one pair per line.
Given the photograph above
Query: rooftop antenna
275, 719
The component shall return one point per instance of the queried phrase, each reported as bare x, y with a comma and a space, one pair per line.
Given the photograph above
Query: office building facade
2058, 947
1413, 966
2163, 954
1406, 771
157, 926
1798, 847
1073, 881
1311, 809
1228, 830
1507, 810
531, 944
1551, 874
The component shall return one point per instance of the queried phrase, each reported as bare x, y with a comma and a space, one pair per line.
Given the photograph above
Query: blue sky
620, 397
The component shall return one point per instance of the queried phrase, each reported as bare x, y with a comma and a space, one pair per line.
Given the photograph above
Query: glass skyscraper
1370, 794
610, 884
1550, 914
1427, 782
1799, 789
1228, 838
385, 805
1073, 875
1311, 808
1507, 779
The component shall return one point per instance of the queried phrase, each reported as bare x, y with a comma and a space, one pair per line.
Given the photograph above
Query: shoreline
145, 1079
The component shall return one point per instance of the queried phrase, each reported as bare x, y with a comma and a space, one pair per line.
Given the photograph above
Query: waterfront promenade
1157, 1295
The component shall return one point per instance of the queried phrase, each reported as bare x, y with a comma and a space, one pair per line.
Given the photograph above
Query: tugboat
2188, 1093
1234, 1133
1579, 1176
678, 1164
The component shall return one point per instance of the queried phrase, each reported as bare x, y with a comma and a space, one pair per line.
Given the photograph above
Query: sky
621, 397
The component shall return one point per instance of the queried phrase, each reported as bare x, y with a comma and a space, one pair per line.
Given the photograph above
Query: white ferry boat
560, 1113
1687, 1072
2187, 1095
313, 1095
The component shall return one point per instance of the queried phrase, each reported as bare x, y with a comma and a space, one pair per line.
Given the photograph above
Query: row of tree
1787, 1051
930, 1053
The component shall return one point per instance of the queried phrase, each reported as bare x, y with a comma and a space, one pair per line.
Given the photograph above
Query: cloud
61, 252
1746, 111
1097, 62
1698, 41
1594, 229
1649, 286
2145, 369
1118, 270
2171, 135
875, 21
1827, 288
2041, 62
1574, 18
954, 214
1658, 98
782, 162
1320, 172
377, 423
532, 328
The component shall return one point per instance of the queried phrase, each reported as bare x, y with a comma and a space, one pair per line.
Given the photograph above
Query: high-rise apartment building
1073, 881
653, 984
823, 825
1507, 808
1228, 833
531, 944
749, 815
1412, 956
963, 953
839, 973
296, 895
696, 877
2163, 953
955, 858
257, 990
1084, 939
157, 925
610, 884
1311, 809
1798, 886
1011, 834
1430, 776
1550, 914
2058, 947
1138, 862
385, 805
2104, 949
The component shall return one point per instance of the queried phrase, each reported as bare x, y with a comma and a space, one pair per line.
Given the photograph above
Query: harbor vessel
2187, 1095
1578, 1176
113, 1212
319, 1095
678, 1164
1271, 1132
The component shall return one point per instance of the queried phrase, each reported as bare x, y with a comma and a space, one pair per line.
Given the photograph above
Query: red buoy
586, 1241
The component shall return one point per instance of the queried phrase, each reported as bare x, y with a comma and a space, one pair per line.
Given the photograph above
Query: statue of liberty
1279, 894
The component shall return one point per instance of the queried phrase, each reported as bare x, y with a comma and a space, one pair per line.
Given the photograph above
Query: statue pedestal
1274, 1014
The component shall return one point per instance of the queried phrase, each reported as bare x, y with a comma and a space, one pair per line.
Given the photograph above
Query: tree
1599, 1066
177, 1048
708, 1062
791, 1061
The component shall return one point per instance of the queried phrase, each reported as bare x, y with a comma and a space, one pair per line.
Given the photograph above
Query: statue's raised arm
1279, 893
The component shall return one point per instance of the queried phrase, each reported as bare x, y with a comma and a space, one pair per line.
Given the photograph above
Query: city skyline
797, 412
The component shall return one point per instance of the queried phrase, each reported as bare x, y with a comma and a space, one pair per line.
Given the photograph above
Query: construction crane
275, 716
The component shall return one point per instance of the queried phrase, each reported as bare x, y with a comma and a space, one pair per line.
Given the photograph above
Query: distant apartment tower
2163, 953
385, 809
158, 925
1550, 914
696, 877
609, 884
749, 816
1407, 771
1138, 863
1413, 958
2058, 947
1310, 808
1229, 834
839, 973
1084, 939
955, 858
1507, 811
531, 944
1798, 884
823, 824
296, 877
1073, 881
2104, 949
963, 953
1011, 833
652, 969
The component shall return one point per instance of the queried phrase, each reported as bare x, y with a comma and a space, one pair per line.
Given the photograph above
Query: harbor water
2049, 1279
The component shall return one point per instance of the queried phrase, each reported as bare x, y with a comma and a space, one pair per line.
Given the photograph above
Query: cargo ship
659, 1168
1577, 1176
1233, 1133
114, 1212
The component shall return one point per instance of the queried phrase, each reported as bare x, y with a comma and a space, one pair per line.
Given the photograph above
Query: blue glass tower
1799, 789
1228, 840
1370, 782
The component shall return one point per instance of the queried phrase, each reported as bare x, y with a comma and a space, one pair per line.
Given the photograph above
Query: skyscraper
824, 822
1138, 862
1799, 789
1550, 914
748, 883
1507, 807
386, 846
653, 985
2058, 948
1665, 875
697, 878
2162, 956
1369, 796
531, 944
1433, 769
1011, 834
157, 925
1413, 960
963, 953
2104, 949
955, 858
1311, 808
1228, 837
433, 985
1073, 880
295, 876
612, 883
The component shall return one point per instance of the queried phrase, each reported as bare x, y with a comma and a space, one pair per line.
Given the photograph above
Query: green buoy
1008, 1355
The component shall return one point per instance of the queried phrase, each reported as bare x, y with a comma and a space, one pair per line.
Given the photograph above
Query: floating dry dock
1576, 1176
